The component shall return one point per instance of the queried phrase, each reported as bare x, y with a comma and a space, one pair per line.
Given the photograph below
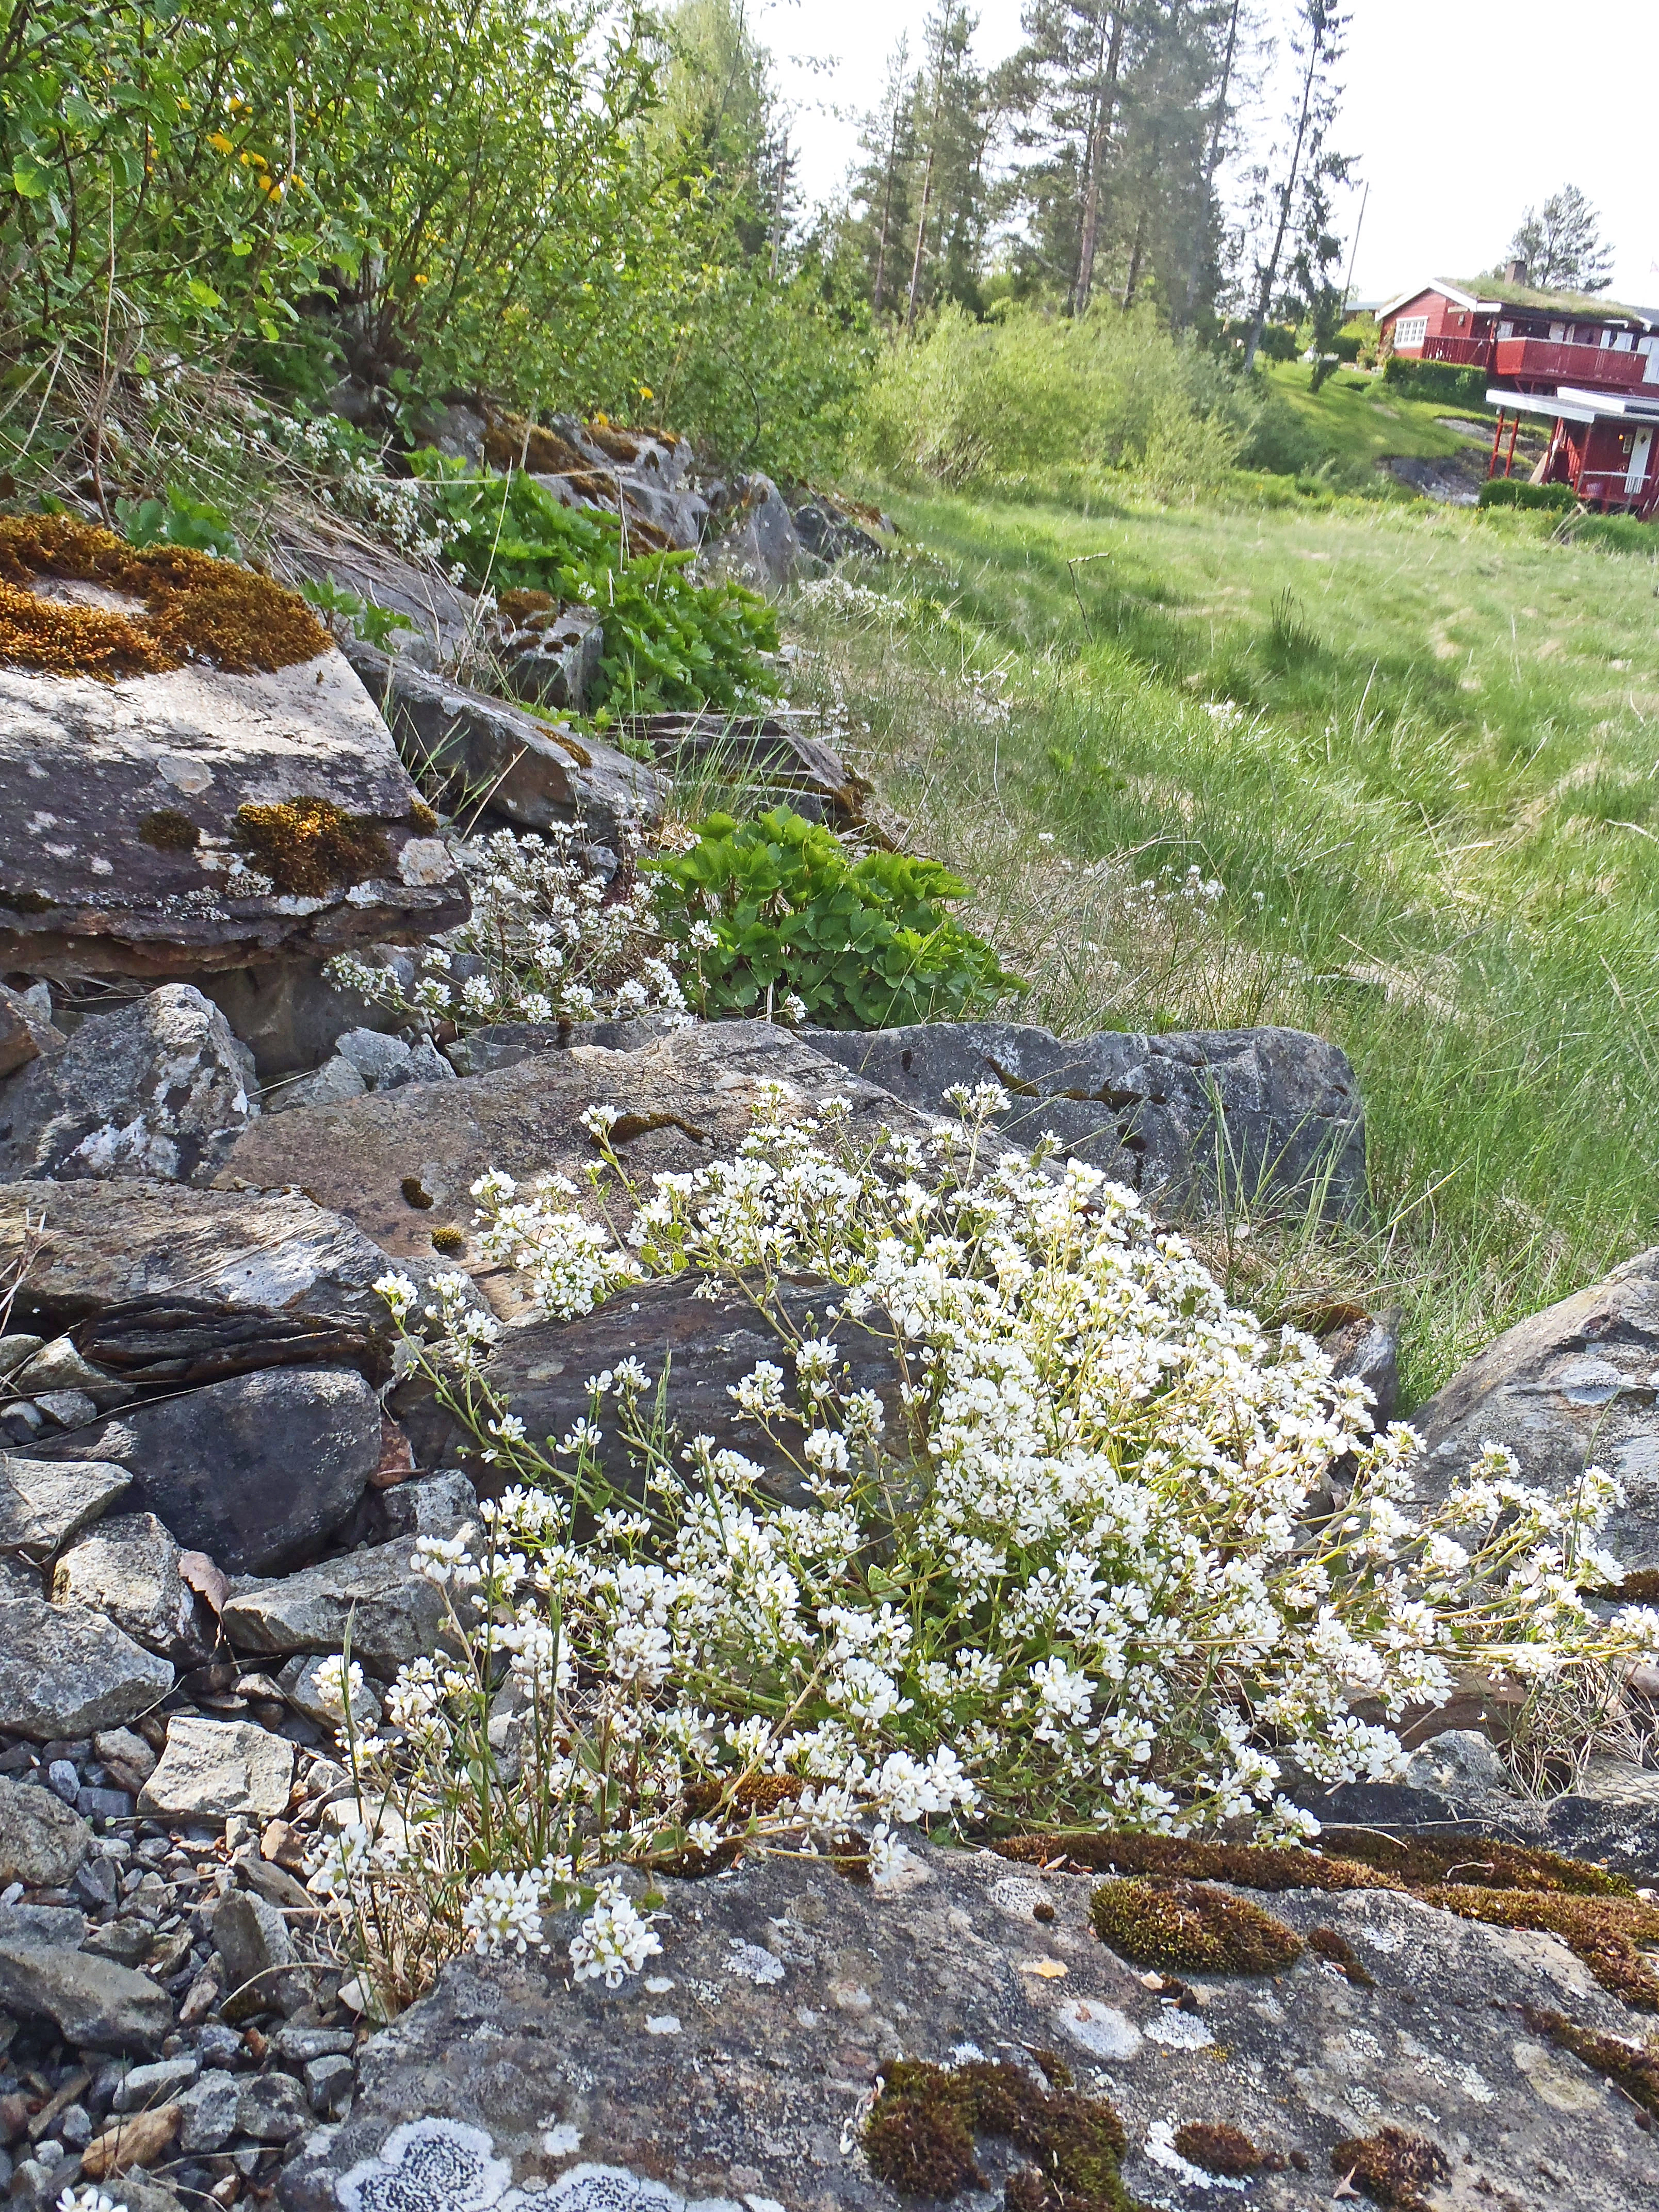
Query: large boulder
161, 1087
759, 545
256, 1470
129, 1570
163, 824
1572, 1385
460, 741
1290, 1126
393, 1614
402, 1166
161, 1283
741, 2065
65, 1671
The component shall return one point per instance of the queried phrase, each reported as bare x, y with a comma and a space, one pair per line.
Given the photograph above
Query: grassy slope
1436, 815
1357, 417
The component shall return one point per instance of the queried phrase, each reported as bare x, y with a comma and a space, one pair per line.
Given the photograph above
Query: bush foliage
1515, 491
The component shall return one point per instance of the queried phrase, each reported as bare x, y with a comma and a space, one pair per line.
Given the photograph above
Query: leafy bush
669, 642
1515, 491
178, 520
773, 913
1435, 380
1617, 533
1069, 1569
368, 619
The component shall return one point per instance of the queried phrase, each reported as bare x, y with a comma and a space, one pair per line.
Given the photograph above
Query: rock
127, 837
16, 1350
535, 775
69, 1409
139, 2139
1143, 1108
1368, 1349
329, 2084
776, 754
394, 1616
44, 1502
212, 1769
759, 546
829, 535
457, 430
687, 1098
553, 660
256, 1470
59, 1366
155, 2084
42, 1843
127, 1758
291, 1013
159, 1088
300, 1687
252, 1937
160, 1284
25, 1032
209, 2111
744, 2058
128, 1571
1568, 1385
438, 1505
504, 1044
64, 1671
335, 1079
90, 2001
273, 2108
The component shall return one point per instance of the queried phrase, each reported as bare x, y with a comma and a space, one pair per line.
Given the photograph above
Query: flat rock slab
1576, 1384
393, 1614
91, 2001
42, 1842
86, 768
256, 1470
740, 2065
65, 1671
401, 1165
1144, 1107
129, 1570
161, 1283
211, 1769
43, 1503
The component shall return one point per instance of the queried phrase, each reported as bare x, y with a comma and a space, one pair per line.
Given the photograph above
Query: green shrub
669, 642
1435, 380
772, 911
1515, 491
178, 520
1617, 533
1277, 342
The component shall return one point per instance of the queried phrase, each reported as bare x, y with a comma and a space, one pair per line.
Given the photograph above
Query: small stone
199, 1999
71, 1409
252, 1938
42, 1843
75, 2127
271, 2108
62, 1777
299, 2046
31, 2177
106, 1804
220, 2046
156, 2085
211, 1769
64, 1670
127, 1569
208, 2110
44, 1503
329, 2084
136, 2139
126, 1938
57, 1366
92, 2001
383, 1062
27, 1029
95, 1884
15, 1350
299, 1682
129, 1760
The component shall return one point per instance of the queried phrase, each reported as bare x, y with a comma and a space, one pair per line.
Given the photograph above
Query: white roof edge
1434, 284
1574, 405
1539, 403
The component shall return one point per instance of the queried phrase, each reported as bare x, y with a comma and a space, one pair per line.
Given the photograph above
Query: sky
1460, 115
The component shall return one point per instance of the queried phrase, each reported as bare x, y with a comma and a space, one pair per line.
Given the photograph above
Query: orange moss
1473, 1860
195, 608
1189, 1926
1634, 2066
920, 2137
422, 817
1605, 1932
308, 847
452, 1243
1326, 1943
1218, 2148
1393, 2167
1247, 1866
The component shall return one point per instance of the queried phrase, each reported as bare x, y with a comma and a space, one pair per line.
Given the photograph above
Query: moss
1247, 1866
422, 817
1393, 2167
1326, 1943
1605, 1932
1633, 2066
920, 2138
309, 846
195, 608
415, 1194
518, 607
1415, 1862
452, 1243
1218, 2148
1639, 1587
26, 902
169, 831
1189, 1926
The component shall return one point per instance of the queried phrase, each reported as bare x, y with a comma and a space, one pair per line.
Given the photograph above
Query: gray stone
740, 2065
212, 1769
106, 1804
84, 765
553, 660
827, 534
535, 775
162, 1284
58, 1366
436, 1505
335, 1079
272, 2108
329, 2085
69, 1409
15, 1350
440, 617
42, 1843
250, 1935
688, 1098
1369, 1350
257, 1470
759, 545
299, 1684
91, 2001
155, 2084
393, 1614
300, 2046
125, 1756
65, 1671
209, 2110
1144, 1107
290, 1012
63, 1780
382, 1062
26, 1032
128, 1568
158, 1088
1577, 1383
44, 1502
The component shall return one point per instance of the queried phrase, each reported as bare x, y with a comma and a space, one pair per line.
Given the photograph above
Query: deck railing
1591, 368
1465, 353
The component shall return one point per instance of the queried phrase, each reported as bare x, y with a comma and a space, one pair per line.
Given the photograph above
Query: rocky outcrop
741, 2066
26, 1030
160, 1087
1274, 1115
552, 659
160, 824
1577, 1383
64, 1670
463, 744
758, 545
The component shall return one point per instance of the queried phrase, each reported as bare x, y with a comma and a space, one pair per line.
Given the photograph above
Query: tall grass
1419, 755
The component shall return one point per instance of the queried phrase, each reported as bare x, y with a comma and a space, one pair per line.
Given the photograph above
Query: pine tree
1296, 208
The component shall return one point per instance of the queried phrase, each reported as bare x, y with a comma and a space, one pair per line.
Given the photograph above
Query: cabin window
1621, 341
1410, 330
1644, 345
1558, 333
1506, 330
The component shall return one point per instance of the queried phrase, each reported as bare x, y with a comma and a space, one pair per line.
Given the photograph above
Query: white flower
334, 1688
613, 1942
504, 1914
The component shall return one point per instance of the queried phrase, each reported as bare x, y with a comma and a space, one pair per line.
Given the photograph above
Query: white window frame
1410, 330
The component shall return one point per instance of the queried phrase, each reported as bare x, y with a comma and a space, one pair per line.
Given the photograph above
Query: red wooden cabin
1588, 366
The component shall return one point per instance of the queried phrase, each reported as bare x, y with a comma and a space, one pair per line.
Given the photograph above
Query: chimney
1515, 272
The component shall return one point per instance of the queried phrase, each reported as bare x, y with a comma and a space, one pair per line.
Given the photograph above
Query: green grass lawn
1357, 418
1418, 750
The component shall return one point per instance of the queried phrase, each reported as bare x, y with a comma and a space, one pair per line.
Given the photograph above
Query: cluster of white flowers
613, 1941
548, 939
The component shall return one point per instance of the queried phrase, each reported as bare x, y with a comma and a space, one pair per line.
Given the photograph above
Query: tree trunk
887, 201
1212, 157
927, 175
1270, 272
1104, 116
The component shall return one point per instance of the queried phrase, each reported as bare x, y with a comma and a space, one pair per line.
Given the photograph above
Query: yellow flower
646, 392
422, 280
219, 142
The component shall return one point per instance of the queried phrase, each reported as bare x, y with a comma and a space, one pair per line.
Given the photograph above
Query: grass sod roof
1587, 304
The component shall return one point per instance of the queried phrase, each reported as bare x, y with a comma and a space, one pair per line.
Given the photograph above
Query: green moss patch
308, 847
1190, 1927
195, 608
1393, 2167
1414, 1862
920, 2137
169, 831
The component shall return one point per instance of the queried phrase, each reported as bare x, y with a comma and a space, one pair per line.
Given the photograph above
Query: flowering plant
1094, 1558
549, 937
